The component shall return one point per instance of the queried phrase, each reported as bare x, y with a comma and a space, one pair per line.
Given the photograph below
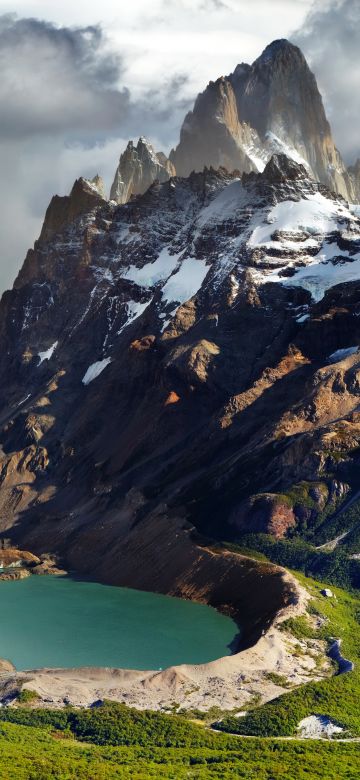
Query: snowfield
152, 273
315, 215
206, 235
186, 282
48, 353
94, 370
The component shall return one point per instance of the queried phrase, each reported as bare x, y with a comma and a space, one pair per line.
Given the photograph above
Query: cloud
66, 82
217, 5
58, 81
65, 113
59, 93
72, 94
330, 39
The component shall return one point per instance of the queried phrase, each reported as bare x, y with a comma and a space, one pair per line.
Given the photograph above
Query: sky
78, 79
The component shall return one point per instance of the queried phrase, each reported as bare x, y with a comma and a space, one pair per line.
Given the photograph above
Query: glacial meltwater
59, 621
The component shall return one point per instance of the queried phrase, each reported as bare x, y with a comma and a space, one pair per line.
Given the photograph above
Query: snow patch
315, 215
134, 310
224, 205
254, 154
48, 353
24, 399
234, 288
126, 236
340, 354
186, 282
94, 370
103, 274
152, 273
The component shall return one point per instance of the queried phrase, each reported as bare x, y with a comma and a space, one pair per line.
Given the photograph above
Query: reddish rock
140, 345
264, 513
172, 398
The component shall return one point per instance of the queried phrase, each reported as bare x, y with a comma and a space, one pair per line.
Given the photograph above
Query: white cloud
203, 38
64, 91
330, 38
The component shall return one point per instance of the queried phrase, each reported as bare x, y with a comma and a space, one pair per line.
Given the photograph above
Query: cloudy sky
80, 78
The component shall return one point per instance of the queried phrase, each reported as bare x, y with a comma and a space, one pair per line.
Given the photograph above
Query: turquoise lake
59, 621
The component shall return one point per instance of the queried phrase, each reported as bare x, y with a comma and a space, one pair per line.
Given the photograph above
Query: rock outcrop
266, 513
85, 195
138, 168
14, 574
240, 121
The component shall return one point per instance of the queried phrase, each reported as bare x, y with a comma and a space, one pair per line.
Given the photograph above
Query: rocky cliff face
187, 359
272, 106
85, 195
138, 168
354, 173
281, 100
213, 135
238, 122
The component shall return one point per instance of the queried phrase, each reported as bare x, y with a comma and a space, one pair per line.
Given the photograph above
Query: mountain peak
271, 106
280, 49
85, 195
282, 168
139, 166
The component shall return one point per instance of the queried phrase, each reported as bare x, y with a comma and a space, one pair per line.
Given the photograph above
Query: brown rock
47, 568
84, 197
12, 556
15, 574
264, 513
213, 135
141, 345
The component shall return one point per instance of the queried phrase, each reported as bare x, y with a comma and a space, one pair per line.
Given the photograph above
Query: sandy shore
229, 682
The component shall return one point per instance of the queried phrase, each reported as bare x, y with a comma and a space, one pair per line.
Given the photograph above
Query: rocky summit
138, 168
241, 120
186, 360
272, 106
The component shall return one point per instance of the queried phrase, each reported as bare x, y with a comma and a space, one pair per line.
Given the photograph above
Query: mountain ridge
204, 310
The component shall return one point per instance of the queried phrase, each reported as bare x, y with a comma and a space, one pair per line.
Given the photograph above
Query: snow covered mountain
241, 120
186, 358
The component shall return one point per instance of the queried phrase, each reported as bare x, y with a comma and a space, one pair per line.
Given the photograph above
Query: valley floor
36, 754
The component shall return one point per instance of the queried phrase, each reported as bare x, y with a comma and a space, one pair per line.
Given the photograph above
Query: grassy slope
337, 697
34, 754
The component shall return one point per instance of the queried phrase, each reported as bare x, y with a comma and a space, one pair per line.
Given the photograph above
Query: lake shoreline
229, 682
